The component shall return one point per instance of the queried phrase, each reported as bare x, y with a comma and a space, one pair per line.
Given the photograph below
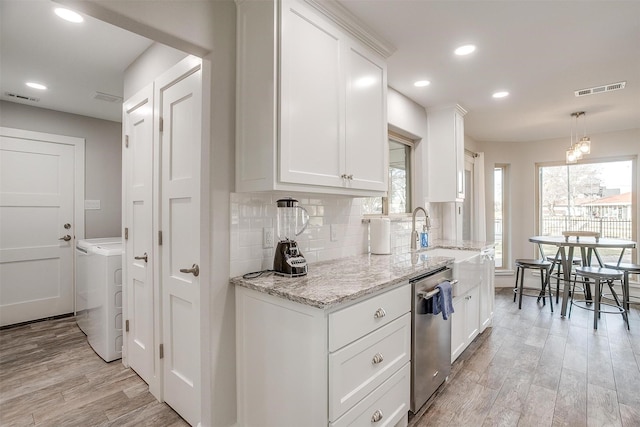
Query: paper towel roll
380, 236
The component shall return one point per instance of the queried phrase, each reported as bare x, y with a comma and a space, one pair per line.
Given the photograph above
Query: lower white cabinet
487, 289
291, 372
465, 321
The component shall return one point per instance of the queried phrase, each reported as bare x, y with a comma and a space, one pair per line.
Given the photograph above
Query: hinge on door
126, 141
126, 325
126, 233
161, 124
161, 351
159, 237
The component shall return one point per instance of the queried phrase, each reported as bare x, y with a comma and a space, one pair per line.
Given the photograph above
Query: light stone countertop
329, 284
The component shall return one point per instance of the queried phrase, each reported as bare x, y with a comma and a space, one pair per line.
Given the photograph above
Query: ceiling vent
106, 97
22, 97
600, 89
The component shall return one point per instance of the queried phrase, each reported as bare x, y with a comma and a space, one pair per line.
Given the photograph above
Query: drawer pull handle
379, 313
377, 416
378, 358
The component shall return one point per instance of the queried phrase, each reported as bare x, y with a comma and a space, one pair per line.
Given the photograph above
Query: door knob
65, 238
144, 257
195, 270
67, 226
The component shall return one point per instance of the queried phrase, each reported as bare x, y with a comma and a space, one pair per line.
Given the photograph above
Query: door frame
78, 145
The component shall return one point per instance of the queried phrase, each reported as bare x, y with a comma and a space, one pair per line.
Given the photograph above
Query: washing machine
99, 294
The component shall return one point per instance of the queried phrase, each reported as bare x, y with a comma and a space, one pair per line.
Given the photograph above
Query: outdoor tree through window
588, 197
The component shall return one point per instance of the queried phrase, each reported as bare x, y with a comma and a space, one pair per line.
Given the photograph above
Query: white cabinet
446, 154
311, 101
299, 365
487, 288
465, 321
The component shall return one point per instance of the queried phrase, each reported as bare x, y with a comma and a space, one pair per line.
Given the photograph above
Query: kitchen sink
467, 267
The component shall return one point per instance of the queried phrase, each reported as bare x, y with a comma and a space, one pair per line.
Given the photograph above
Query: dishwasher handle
427, 295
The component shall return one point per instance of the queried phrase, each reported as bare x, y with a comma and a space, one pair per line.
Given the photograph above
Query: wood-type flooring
50, 376
532, 368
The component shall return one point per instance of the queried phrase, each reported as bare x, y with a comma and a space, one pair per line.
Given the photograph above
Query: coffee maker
288, 260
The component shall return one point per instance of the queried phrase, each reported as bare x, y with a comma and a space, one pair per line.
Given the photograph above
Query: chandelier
578, 147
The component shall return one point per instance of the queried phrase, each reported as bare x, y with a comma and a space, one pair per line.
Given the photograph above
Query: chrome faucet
414, 233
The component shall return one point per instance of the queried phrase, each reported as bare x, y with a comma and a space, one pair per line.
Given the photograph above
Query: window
399, 195
588, 197
500, 215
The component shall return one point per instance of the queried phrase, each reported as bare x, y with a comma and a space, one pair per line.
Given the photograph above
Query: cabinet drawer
359, 368
351, 323
390, 401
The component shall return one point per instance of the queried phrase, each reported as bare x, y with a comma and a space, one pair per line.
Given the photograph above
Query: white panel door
178, 97
138, 255
36, 201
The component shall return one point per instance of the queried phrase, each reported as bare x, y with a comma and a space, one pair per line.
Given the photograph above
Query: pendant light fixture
579, 147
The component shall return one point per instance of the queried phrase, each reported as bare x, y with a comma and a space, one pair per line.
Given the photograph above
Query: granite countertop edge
326, 288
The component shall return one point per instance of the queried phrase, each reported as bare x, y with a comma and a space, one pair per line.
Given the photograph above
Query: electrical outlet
267, 237
333, 229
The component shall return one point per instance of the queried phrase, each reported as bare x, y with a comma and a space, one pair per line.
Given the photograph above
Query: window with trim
500, 215
592, 195
398, 200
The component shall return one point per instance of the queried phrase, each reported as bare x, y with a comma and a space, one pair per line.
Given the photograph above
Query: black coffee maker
288, 260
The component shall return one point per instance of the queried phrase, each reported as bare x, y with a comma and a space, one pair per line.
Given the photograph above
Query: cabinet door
458, 335
366, 123
487, 292
459, 153
311, 99
472, 314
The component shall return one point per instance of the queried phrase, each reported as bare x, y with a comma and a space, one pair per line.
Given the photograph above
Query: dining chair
601, 276
519, 289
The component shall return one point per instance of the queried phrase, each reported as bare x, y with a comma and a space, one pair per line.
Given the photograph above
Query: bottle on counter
424, 237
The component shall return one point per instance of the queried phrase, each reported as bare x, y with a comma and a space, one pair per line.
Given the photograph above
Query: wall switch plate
267, 237
92, 204
333, 229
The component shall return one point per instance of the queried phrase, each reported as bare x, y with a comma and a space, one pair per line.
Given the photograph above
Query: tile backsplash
252, 212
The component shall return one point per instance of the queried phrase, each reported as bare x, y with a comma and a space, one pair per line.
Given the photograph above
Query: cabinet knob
378, 358
343, 176
350, 176
379, 313
377, 416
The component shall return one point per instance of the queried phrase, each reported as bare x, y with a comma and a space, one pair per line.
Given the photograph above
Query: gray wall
103, 152
154, 61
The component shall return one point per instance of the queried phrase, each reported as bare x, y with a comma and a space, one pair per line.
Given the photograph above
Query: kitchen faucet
414, 233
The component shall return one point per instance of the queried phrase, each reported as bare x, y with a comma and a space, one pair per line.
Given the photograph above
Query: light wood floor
533, 368
50, 376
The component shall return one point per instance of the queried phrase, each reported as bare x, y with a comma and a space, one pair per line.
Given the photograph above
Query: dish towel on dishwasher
442, 301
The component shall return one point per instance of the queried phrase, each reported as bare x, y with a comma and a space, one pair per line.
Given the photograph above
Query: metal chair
519, 289
600, 276
626, 269
556, 264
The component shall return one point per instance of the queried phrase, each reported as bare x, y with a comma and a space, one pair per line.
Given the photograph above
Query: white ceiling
73, 60
540, 51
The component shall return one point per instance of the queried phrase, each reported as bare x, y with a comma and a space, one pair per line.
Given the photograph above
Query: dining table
588, 249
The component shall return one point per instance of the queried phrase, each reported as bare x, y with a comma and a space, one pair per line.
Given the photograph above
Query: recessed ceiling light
38, 86
68, 15
422, 83
465, 50
501, 94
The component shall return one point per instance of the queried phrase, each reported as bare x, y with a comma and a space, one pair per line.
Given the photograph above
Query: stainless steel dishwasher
430, 338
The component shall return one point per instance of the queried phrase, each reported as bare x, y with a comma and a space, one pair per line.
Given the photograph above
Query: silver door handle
65, 238
195, 270
144, 257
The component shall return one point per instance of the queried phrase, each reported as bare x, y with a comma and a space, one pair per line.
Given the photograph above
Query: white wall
103, 150
522, 159
149, 65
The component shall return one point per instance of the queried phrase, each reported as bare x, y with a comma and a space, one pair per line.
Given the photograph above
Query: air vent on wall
600, 89
22, 97
106, 97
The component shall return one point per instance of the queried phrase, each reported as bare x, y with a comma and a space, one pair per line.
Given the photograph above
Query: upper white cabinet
446, 154
311, 100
